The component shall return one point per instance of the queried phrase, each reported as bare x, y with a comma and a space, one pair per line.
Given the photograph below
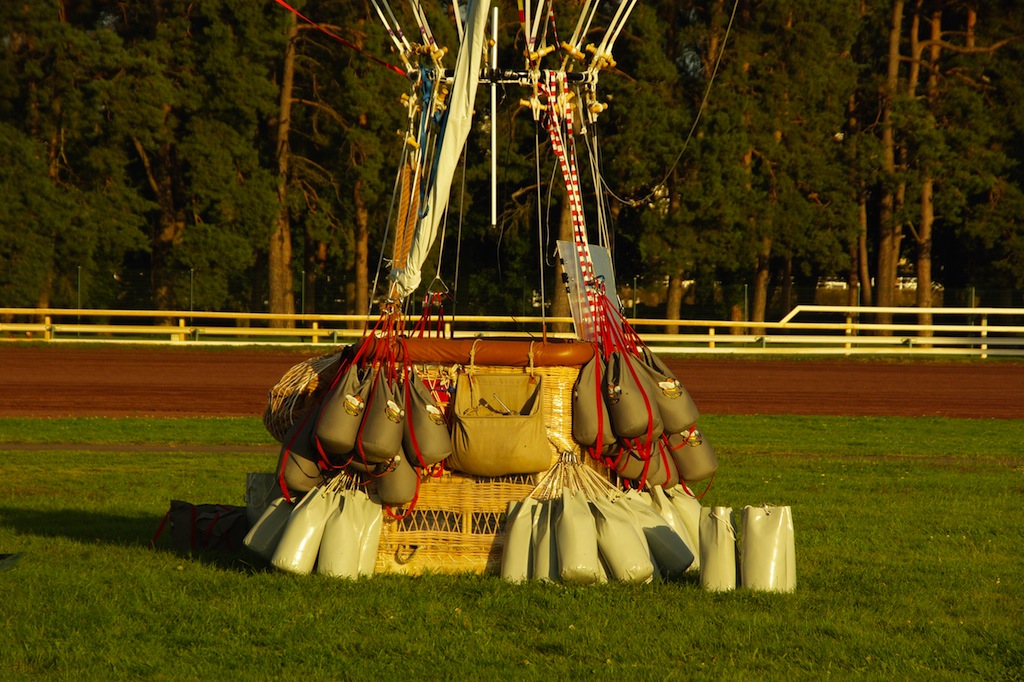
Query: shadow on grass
123, 531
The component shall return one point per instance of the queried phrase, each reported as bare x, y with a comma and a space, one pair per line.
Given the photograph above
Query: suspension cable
693, 126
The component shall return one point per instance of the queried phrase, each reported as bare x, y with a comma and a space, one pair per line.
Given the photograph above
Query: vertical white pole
494, 120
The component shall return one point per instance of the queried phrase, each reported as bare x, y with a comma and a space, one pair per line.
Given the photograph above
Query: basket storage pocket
498, 425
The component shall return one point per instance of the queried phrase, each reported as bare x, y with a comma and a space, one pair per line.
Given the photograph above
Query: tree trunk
361, 304
169, 233
165, 182
170, 228
559, 299
674, 302
282, 297
924, 253
46, 290
859, 291
853, 279
867, 291
316, 262
787, 286
45, 297
761, 278
924, 230
888, 240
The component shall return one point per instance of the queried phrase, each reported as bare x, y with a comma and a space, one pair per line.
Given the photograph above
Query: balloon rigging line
323, 29
693, 127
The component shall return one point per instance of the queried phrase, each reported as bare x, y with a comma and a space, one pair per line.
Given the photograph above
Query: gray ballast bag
266, 533
576, 540
342, 413
668, 548
676, 407
299, 545
694, 457
339, 546
718, 566
630, 395
426, 438
399, 485
545, 550
380, 435
298, 463
621, 542
589, 407
517, 554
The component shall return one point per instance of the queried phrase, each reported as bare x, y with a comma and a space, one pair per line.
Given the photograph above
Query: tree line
749, 146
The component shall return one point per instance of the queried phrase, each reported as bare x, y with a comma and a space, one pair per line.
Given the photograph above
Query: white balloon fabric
458, 122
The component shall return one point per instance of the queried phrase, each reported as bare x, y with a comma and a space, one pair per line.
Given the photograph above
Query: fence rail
807, 329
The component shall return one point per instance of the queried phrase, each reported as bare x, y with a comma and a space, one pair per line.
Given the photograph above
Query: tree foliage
777, 142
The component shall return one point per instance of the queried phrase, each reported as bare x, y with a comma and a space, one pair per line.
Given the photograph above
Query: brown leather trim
498, 351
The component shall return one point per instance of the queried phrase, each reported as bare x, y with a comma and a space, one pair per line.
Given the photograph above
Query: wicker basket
457, 523
297, 391
457, 526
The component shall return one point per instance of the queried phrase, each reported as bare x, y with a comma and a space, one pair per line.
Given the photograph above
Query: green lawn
909, 536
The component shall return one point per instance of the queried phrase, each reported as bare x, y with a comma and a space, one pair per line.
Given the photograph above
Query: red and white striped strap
558, 109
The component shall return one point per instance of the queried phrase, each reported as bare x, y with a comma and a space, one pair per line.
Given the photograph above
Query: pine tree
192, 107
70, 208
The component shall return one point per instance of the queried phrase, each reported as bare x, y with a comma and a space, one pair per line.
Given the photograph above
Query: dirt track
119, 381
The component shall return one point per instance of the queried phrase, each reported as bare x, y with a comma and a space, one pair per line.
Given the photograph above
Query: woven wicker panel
457, 526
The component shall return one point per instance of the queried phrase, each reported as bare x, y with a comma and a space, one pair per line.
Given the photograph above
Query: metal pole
494, 121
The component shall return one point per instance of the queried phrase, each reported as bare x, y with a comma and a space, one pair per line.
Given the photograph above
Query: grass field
909, 537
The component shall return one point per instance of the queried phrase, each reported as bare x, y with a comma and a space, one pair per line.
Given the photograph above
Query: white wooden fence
806, 330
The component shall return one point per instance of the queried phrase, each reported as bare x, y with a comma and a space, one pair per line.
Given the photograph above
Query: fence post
181, 335
984, 334
711, 334
48, 331
316, 337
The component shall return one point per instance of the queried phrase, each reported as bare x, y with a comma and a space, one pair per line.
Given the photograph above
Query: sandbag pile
334, 529
632, 413
763, 558
575, 527
382, 424
378, 419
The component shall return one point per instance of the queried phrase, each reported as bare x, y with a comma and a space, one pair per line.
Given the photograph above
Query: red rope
681, 481
327, 32
564, 149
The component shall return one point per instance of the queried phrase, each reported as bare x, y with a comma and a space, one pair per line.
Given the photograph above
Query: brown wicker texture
296, 392
455, 527
457, 524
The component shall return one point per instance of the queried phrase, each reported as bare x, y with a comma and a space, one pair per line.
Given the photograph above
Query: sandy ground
120, 381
